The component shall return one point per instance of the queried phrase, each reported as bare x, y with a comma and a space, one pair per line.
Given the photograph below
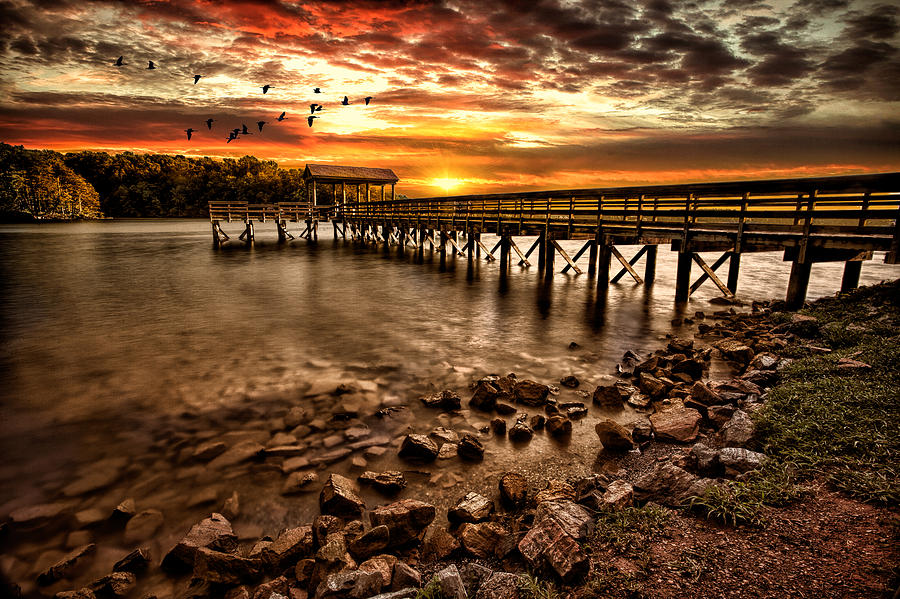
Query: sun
447, 183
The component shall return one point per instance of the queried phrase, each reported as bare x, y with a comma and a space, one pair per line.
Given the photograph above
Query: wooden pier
824, 219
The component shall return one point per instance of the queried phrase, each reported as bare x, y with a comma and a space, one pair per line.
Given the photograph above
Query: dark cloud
880, 23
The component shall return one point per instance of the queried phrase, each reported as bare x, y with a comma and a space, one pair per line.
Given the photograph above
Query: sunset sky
469, 96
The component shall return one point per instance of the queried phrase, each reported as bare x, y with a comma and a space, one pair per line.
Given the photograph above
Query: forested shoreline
49, 185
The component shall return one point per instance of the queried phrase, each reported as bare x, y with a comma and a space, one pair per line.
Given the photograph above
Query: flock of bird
243, 130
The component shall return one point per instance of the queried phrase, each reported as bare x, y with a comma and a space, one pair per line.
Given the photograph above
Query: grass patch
432, 590
627, 529
531, 587
744, 502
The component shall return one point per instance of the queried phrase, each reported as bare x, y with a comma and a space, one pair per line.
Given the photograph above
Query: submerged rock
520, 433
389, 482
445, 400
470, 448
66, 566
531, 393
559, 426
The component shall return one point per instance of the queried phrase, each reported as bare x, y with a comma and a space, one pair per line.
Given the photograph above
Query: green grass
627, 529
824, 421
432, 590
531, 587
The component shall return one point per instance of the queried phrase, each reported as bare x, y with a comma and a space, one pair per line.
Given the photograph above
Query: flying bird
260, 125
197, 78
209, 123
367, 100
236, 131
345, 101
316, 90
312, 108
244, 131
189, 131
266, 88
309, 119
319, 107
150, 66
281, 117
232, 136
120, 61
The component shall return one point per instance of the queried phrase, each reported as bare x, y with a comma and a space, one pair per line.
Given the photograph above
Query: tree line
44, 184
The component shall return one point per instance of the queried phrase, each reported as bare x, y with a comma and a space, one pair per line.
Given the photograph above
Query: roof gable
358, 173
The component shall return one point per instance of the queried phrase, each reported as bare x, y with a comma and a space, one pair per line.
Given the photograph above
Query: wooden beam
798, 284
683, 276
455, 245
703, 277
488, 255
566, 257
850, 280
712, 275
522, 258
578, 254
637, 278
631, 262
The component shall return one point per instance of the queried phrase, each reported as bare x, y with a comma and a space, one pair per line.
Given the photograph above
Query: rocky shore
533, 535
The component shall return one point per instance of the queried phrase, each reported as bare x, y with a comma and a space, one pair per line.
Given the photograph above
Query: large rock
450, 583
225, 568
651, 385
332, 557
576, 520
389, 482
383, 565
211, 533
531, 393
405, 576
485, 397
483, 539
665, 483
548, 543
500, 585
702, 393
373, 541
738, 460
735, 350
739, 431
444, 400
418, 447
339, 498
513, 490
469, 448
355, 584
290, 546
559, 426
693, 367
440, 544
68, 565
520, 432
678, 424
613, 436
407, 519
619, 495
471, 508
613, 396
706, 458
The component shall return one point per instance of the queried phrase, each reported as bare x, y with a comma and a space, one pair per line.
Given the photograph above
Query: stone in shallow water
470, 448
531, 393
117, 584
559, 426
520, 433
613, 436
299, 482
445, 435
143, 525
389, 482
444, 400
447, 451
241, 452
67, 565
339, 498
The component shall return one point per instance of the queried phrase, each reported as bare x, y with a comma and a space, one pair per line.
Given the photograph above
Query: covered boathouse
356, 182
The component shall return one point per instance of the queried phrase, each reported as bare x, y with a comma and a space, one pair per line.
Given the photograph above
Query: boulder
444, 400
559, 426
383, 565
737, 460
703, 394
739, 431
389, 482
500, 585
418, 447
513, 490
693, 367
68, 565
531, 393
331, 558
613, 436
289, 547
485, 397
680, 425
574, 519
651, 385
405, 576
374, 541
548, 543
706, 458
520, 432
440, 544
339, 498
537, 422
211, 533
619, 495
483, 539
556, 490
719, 415
642, 431
613, 396
407, 519
471, 508
135, 562
498, 425
665, 483
450, 583
216, 567
469, 448
735, 350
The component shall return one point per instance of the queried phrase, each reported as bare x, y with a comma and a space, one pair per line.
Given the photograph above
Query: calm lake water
135, 339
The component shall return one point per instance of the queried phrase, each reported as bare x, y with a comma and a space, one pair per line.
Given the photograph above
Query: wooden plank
565, 256
615, 252
488, 255
522, 258
703, 277
712, 275
455, 245
631, 262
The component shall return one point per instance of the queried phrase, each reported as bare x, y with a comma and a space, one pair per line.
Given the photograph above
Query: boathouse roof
349, 173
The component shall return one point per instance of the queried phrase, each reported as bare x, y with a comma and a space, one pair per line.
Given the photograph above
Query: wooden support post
523, 260
734, 269
703, 276
488, 255
850, 280
712, 275
550, 251
570, 263
470, 245
536, 243
631, 262
455, 245
215, 232
683, 276
615, 252
603, 260
650, 264
592, 258
798, 284
504, 252
578, 254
